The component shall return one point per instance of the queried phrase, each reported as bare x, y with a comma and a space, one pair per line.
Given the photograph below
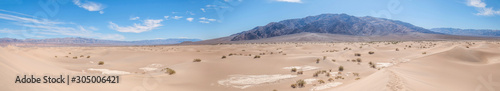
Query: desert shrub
327, 75
357, 54
370, 63
300, 72
197, 60
301, 83
294, 69
55, 56
88, 56
75, 57
358, 59
317, 60
333, 60
341, 68
82, 56
321, 81
275, 90
424, 52
223, 57
330, 79
230, 54
324, 57
357, 78
355, 74
256, 56
100, 63
371, 52
397, 49
316, 74
466, 46
293, 85
169, 71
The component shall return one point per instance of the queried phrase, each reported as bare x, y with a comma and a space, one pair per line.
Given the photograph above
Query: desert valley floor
367, 66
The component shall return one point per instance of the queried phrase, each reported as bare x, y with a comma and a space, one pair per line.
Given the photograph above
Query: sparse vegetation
100, 63
341, 68
324, 57
256, 56
424, 52
317, 60
223, 57
371, 52
357, 54
197, 60
397, 49
293, 85
333, 60
330, 79
169, 71
357, 78
88, 56
300, 72
75, 57
301, 83
358, 59
294, 69
321, 81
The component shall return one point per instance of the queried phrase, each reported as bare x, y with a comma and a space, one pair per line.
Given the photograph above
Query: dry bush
223, 57
256, 56
294, 69
333, 60
301, 83
100, 63
424, 52
358, 59
197, 60
169, 71
341, 68
397, 49
317, 60
293, 85
371, 52
357, 54
330, 79
75, 57
321, 81
324, 57
357, 78
316, 73
300, 72
88, 56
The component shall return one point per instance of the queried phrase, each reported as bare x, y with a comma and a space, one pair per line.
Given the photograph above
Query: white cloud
147, 25
166, 17
177, 17
39, 27
202, 9
90, 6
482, 9
134, 18
189, 19
291, 1
206, 20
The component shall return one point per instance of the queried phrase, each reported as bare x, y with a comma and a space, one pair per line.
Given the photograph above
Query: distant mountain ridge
70, 41
468, 32
333, 24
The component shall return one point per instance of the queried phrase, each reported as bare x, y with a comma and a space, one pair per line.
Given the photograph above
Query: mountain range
468, 32
337, 28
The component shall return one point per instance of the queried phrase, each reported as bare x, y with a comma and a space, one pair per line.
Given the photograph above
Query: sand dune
398, 66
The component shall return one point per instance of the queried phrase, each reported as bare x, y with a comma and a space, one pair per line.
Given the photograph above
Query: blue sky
206, 19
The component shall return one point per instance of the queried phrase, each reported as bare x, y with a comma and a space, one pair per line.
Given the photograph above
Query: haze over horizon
156, 19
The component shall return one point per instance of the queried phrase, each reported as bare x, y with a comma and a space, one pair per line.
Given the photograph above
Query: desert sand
395, 66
